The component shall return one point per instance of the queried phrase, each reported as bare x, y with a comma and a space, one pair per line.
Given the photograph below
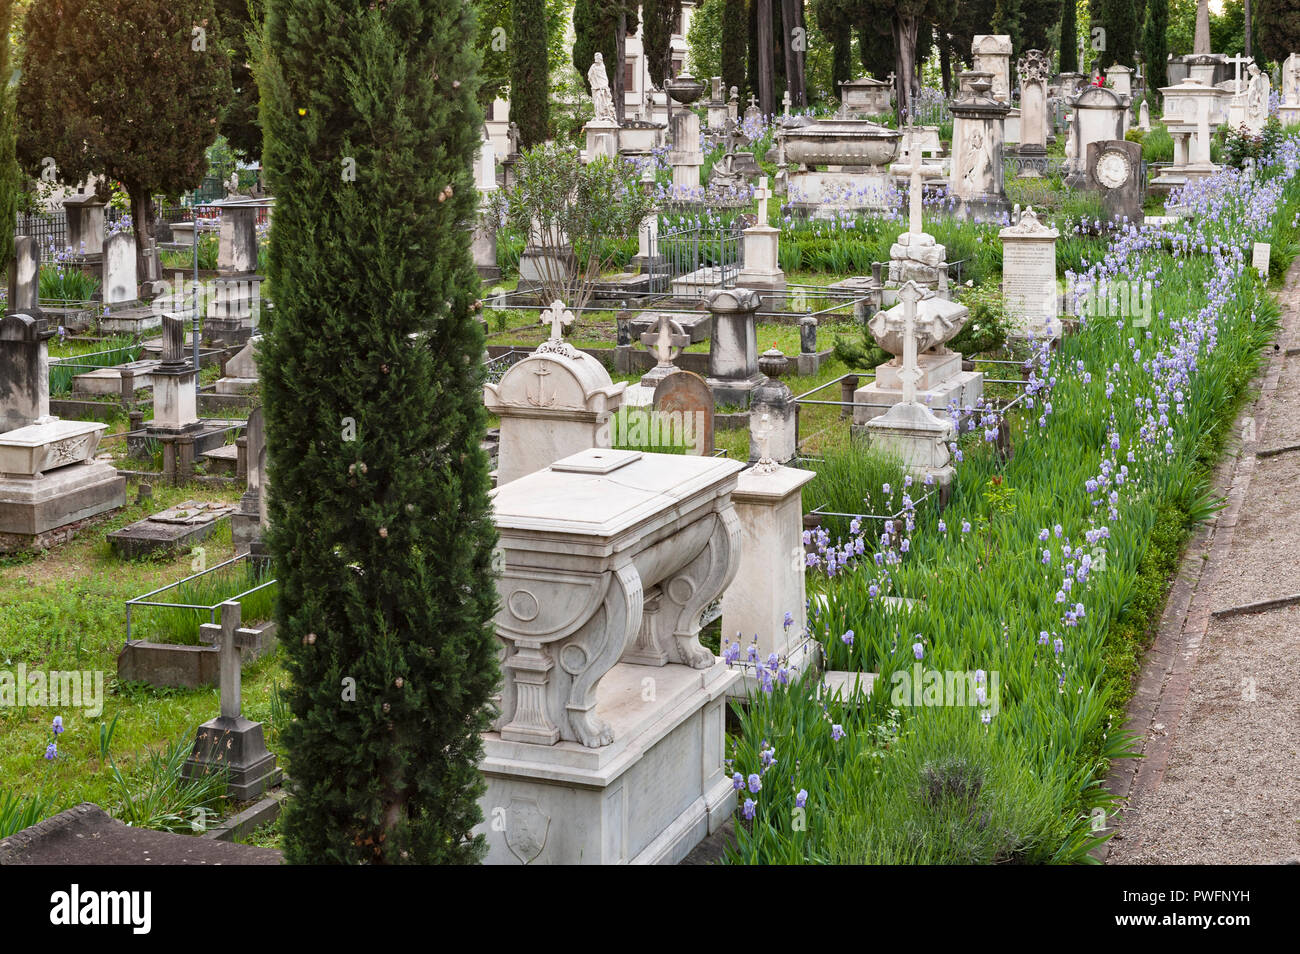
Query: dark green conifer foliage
380, 526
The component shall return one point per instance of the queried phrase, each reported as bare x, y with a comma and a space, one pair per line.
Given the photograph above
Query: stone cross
230, 639
558, 317
891, 78
762, 194
666, 340
909, 295
1238, 62
753, 101
785, 102
918, 170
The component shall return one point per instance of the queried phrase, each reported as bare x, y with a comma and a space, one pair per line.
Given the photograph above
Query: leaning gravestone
119, 278
24, 277
684, 403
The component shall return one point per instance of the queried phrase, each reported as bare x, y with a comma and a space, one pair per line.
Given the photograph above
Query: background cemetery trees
1037, 25
117, 88
380, 525
735, 42
602, 26
1069, 36
1277, 27
9, 179
530, 106
658, 20
835, 25
494, 40
1155, 47
1120, 20
239, 124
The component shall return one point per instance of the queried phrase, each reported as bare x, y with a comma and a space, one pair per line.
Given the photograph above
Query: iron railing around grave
692, 261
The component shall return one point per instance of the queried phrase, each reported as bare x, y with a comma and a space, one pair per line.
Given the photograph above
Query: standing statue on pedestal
601, 97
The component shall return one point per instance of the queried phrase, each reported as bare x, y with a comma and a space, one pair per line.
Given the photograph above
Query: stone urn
842, 142
684, 89
937, 322
773, 363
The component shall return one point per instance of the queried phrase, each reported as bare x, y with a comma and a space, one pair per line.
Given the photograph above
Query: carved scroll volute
540, 608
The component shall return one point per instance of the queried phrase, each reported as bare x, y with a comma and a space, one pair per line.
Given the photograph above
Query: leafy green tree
1155, 46
380, 526
595, 28
704, 39
107, 113
494, 41
1118, 19
530, 88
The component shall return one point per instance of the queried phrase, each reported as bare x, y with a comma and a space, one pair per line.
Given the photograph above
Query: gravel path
1220, 710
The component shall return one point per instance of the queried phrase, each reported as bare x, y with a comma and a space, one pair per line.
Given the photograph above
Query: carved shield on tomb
526, 829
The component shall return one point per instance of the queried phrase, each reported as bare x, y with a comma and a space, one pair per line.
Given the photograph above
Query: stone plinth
85, 217
554, 403
918, 437
976, 180
762, 271
24, 278
685, 156
175, 400
916, 258
609, 743
733, 348
770, 582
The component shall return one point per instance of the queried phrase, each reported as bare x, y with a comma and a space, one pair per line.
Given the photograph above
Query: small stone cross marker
558, 317
666, 340
230, 639
762, 194
785, 102
909, 295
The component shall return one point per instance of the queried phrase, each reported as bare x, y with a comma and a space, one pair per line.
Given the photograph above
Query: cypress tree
660, 17
380, 527
1277, 27
735, 44
530, 87
1119, 19
8, 164
1069, 37
1155, 46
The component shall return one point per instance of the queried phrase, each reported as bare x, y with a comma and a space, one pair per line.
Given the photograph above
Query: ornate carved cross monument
665, 339
909, 295
558, 317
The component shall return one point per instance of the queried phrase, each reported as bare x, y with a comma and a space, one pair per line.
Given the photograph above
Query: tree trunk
945, 64
620, 54
795, 43
766, 90
1246, 16
142, 221
905, 29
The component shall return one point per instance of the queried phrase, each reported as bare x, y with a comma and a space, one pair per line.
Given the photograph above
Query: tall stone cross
665, 339
916, 185
558, 317
909, 295
1238, 62
785, 103
230, 639
762, 194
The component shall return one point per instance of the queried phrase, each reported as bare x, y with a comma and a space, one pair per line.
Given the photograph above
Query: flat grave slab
172, 529
109, 380
87, 835
223, 459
